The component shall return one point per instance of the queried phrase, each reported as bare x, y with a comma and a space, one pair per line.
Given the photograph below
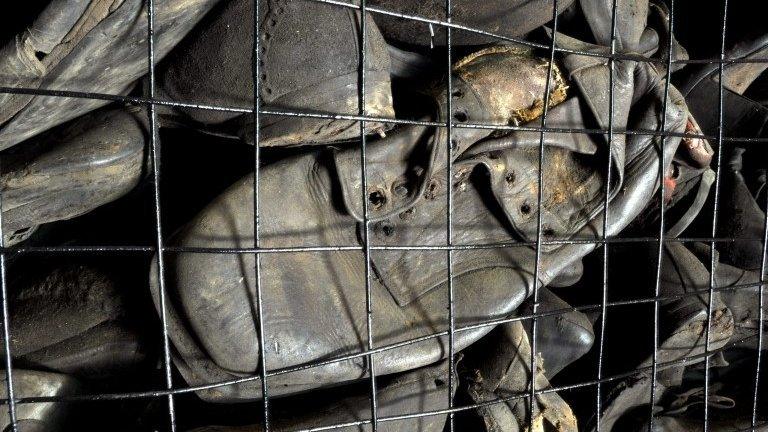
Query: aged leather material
403, 169
562, 336
683, 324
72, 320
504, 18
740, 291
310, 60
741, 217
71, 170
503, 371
40, 416
315, 299
75, 45
682, 398
306, 293
423, 390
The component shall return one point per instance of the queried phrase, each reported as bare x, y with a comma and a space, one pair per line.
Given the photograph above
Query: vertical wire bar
256, 68
537, 265
662, 193
604, 300
716, 201
761, 330
449, 216
154, 145
366, 222
6, 321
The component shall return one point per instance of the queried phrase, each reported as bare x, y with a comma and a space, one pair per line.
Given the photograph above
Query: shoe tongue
573, 182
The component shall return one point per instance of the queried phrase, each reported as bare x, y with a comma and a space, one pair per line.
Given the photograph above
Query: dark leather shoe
740, 291
42, 416
420, 391
72, 321
209, 296
504, 18
310, 61
70, 170
325, 211
562, 338
503, 370
740, 217
682, 330
95, 47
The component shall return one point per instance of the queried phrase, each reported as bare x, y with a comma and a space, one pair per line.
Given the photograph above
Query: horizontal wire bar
384, 348
616, 56
24, 250
163, 393
134, 100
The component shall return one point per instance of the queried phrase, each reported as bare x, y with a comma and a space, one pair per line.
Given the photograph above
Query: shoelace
695, 396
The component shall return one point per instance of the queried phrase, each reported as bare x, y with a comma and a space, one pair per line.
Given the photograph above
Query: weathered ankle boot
71, 170
310, 56
421, 391
97, 46
72, 320
503, 371
39, 416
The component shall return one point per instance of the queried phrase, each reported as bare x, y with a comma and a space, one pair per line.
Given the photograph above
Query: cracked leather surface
105, 51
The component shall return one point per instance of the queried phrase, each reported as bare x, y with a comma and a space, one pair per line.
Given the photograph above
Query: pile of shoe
622, 334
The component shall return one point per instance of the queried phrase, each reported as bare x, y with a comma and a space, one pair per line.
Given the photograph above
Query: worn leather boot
504, 18
680, 406
310, 63
740, 216
70, 170
409, 301
561, 338
95, 46
682, 332
420, 391
210, 295
39, 416
503, 370
740, 291
72, 320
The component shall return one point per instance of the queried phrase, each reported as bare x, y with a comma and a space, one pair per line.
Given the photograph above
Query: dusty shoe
687, 182
42, 416
561, 338
419, 391
739, 290
72, 321
72, 45
680, 405
742, 218
682, 331
411, 303
310, 62
209, 300
504, 18
70, 171
503, 371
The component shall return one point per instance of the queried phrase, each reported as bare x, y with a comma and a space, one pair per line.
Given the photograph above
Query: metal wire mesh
171, 389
